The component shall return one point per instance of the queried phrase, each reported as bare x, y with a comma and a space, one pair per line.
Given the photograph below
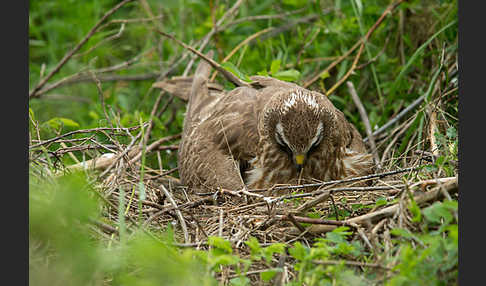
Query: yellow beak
299, 159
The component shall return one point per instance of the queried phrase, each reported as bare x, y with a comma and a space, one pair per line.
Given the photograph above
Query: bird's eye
282, 145
314, 147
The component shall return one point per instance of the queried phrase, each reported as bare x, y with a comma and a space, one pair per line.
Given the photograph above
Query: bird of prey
270, 132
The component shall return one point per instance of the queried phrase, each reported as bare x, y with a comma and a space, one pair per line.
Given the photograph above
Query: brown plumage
273, 132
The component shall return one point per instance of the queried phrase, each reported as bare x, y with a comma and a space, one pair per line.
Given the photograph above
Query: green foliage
62, 250
434, 260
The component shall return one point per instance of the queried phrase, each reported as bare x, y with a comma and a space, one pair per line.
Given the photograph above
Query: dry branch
64, 60
229, 76
366, 122
361, 43
433, 194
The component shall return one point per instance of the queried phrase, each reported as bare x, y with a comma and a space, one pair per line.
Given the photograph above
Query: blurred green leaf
234, 70
269, 274
287, 75
220, 243
275, 66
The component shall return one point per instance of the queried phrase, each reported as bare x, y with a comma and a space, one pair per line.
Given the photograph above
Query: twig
334, 206
105, 227
84, 76
83, 131
366, 122
312, 220
333, 64
214, 30
152, 115
102, 97
261, 17
154, 145
221, 221
112, 37
452, 185
63, 61
80, 78
402, 130
290, 217
350, 263
147, 9
126, 21
291, 25
387, 11
229, 76
119, 156
244, 42
402, 113
178, 212
372, 176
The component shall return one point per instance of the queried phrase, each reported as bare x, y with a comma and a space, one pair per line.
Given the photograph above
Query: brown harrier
273, 132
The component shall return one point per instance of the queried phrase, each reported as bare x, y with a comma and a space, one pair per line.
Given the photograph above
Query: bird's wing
220, 134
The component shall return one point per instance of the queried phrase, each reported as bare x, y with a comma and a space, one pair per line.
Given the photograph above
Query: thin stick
333, 64
350, 263
380, 175
387, 11
229, 76
63, 61
154, 145
292, 219
102, 97
178, 212
213, 31
402, 113
244, 42
152, 115
112, 37
83, 131
366, 122
451, 185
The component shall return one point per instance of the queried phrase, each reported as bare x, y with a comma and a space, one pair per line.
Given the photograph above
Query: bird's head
298, 121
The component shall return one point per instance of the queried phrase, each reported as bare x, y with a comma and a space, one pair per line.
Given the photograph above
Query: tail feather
199, 88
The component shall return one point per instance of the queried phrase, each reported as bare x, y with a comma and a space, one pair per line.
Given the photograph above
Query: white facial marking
318, 137
299, 95
280, 132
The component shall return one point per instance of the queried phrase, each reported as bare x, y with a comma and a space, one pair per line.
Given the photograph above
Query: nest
370, 206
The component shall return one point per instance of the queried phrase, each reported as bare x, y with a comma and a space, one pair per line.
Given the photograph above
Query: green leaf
269, 274
451, 132
416, 54
325, 75
59, 122
275, 66
234, 70
255, 249
298, 252
415, 210
263, 73
436, 212
359, 5
401, 232
31, 114
220, 243
381, 202
93, 115
274, 248
287, 75
224, 259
